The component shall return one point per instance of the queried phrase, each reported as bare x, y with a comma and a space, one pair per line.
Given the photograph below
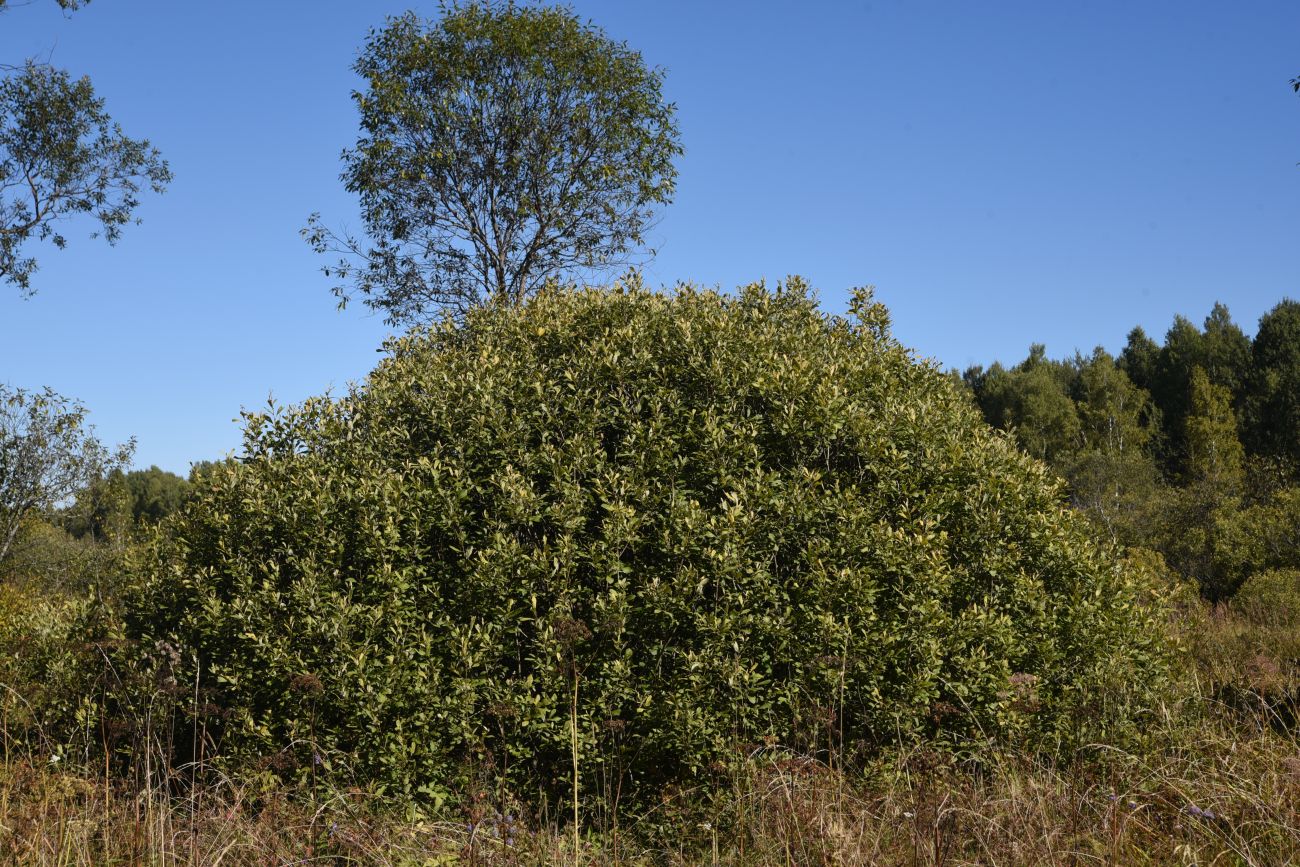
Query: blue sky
1003, 172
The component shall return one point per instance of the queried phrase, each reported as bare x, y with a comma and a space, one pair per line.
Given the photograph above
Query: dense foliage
635, 532
1190, 447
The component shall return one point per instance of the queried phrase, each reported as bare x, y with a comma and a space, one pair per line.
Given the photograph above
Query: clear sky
1004, 172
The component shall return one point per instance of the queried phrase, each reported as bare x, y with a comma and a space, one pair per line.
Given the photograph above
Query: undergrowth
1215, 781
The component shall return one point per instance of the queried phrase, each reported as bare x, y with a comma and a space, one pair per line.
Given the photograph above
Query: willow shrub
644, 531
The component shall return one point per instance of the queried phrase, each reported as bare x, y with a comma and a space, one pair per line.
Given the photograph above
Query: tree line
69, 505
1189, 447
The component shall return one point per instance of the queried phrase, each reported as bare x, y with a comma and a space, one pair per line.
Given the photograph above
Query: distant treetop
501, 146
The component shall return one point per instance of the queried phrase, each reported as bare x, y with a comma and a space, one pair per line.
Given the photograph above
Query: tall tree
1032, 399
1139, 358
1113, 476
1114, 414
61, 156
1273, 403
501, 146
1182, 352
121, 501
1225, 352
1214, 454
1198, 536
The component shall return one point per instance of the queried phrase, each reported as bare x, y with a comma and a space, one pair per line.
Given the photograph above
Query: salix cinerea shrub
644, 532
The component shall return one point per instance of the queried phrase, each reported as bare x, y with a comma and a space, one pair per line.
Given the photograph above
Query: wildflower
569, 631
306, 684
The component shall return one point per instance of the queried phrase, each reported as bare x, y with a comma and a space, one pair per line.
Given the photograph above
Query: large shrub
644, 530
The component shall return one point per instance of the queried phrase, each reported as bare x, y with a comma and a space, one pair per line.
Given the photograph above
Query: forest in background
1188, 447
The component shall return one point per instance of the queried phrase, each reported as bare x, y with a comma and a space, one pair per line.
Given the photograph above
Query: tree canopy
68, 5
1214, 454
501, 146
1273, 399
61, 155
1188, 447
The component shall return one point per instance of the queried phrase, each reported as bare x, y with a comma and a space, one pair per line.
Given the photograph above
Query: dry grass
1218, 783
1217, 798
1213, 800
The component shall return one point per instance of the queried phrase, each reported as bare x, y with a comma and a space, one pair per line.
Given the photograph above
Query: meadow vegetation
618, 576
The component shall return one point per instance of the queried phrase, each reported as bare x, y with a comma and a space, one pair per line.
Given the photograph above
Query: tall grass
1216, 781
